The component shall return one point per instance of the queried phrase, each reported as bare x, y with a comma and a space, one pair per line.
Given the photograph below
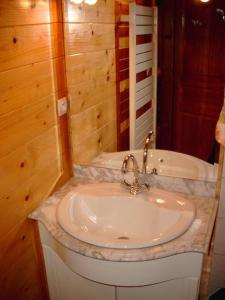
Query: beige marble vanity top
196, 239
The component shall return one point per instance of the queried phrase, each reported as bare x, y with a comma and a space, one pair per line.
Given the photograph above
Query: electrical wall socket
62, 106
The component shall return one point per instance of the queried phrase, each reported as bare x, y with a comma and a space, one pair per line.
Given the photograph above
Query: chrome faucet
147, 143
135, 187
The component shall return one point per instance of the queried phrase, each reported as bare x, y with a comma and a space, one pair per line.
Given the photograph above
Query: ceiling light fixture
76, 1
90, 2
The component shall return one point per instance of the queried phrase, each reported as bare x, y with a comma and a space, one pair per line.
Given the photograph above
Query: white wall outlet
62, 106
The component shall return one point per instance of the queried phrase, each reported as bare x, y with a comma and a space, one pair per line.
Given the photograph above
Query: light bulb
90, 2
76, 1
25, 4
204, 1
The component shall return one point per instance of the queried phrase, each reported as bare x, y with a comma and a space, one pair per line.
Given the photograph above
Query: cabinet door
179, 289
64, 284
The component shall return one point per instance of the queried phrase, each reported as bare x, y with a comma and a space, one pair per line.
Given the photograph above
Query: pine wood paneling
89, 93
26, 197
112, 146
24, 45
97, 142
21, 12
87, 37
20, 126
101, 12
25, 161
91, 120
83, 67
90, 59
25, 85
20, 265
34, 149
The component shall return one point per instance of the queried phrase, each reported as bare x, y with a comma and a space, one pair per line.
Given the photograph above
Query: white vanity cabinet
72, 276
177, 289
64, 284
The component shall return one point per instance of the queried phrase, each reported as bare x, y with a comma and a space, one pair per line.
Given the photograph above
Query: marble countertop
195, 239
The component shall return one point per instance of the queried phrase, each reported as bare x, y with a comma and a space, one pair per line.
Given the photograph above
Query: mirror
190, 68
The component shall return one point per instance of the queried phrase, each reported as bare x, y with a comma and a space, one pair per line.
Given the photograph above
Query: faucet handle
150, 134
127, 158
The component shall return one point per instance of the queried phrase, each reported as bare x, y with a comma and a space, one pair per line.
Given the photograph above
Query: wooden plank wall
31, 56
90, 64
122, 66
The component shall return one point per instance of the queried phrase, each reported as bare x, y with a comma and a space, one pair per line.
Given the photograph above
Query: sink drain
123, 238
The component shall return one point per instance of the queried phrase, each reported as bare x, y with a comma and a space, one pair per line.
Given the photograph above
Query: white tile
217, 275
219, 247
221, 212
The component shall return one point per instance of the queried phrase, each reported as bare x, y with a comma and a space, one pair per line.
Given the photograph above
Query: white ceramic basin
105, 214
167, 163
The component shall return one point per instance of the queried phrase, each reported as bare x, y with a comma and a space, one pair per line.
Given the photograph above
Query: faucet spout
148, 141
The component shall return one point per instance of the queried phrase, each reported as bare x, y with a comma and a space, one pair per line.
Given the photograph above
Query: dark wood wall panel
143, 38
122, 75
143, 75
143, 109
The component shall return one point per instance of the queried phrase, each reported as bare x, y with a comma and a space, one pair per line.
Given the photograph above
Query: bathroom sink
107, 215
